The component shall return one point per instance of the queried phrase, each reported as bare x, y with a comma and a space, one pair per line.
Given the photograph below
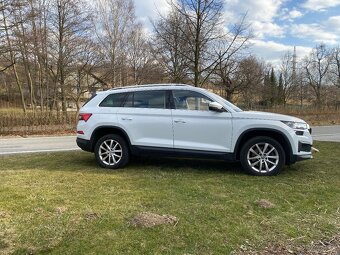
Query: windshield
232, 106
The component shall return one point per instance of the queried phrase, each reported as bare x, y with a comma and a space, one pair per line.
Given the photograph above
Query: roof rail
150, 85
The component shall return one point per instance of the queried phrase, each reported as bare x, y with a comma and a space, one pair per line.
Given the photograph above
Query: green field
63, 203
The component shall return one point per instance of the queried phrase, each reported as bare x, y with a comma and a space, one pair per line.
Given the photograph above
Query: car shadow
87, 162
185, 164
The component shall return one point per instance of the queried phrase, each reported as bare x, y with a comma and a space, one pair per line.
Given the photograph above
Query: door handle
125, 118
179, 121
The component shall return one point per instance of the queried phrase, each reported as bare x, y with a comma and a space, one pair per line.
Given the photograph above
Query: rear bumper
83, 144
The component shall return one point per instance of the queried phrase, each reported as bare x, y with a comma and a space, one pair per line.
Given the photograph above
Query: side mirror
216, 107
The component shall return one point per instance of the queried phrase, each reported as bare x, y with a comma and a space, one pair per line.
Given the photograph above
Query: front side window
190, 100
146, 99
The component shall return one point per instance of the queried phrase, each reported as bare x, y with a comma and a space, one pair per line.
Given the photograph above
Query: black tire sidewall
125, 151
262, 139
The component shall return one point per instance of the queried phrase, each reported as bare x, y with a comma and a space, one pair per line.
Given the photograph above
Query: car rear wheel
262, 156
111, 151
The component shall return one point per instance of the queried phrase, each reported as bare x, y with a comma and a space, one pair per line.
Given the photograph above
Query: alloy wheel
110, 152
263, 157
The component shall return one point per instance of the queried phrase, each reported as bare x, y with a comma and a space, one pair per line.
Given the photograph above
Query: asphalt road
68, 143
326, 133
37, 144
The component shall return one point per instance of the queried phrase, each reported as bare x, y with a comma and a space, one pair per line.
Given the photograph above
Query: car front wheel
111, 151
262, 156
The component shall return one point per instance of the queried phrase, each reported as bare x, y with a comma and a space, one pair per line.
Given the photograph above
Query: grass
63, 203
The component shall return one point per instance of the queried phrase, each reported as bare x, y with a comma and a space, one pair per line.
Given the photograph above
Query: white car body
183, 130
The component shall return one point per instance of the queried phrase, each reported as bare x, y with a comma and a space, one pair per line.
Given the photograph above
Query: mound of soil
264, 203
148, 220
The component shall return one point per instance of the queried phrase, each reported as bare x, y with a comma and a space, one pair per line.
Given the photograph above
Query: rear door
146, 118
198, 128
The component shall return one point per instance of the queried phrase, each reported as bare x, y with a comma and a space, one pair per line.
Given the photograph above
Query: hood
265, 116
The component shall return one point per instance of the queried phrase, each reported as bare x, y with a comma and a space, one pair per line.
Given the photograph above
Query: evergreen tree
280, 91
266, 90
273, 88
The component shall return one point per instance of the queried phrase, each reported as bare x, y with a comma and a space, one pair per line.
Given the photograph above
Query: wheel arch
275, 134
106, 130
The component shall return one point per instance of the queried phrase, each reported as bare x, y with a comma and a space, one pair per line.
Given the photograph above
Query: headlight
296, 125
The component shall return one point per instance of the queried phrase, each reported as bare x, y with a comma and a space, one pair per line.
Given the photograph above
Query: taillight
84, 116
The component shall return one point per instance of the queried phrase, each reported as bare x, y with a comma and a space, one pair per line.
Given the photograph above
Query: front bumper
302, 157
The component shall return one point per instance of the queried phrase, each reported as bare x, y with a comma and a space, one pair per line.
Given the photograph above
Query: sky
278, 25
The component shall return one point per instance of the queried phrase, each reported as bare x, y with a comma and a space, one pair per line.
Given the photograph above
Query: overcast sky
278, 24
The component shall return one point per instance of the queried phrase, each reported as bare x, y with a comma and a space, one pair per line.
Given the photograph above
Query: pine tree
266, 90
280, 92
273, 88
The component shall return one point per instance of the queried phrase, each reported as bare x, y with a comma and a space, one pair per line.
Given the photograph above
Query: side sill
182, 153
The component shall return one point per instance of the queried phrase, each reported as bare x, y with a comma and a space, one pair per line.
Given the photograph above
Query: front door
198, 128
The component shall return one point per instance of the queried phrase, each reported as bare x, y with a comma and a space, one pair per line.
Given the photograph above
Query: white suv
181, 120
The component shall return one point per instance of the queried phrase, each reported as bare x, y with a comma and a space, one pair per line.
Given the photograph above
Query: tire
111, 151
262, 156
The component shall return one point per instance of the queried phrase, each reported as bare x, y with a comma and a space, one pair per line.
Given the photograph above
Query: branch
4, 69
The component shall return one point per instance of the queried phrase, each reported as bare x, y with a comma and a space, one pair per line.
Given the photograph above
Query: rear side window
147, 99
114, 100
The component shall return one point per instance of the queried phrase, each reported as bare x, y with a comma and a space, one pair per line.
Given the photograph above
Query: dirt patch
4, 215
91, 216
264, 203
60, 209
330, 247
148, 220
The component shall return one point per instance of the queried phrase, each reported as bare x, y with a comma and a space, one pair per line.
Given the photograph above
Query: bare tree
7, 8
253, 71
238, 76
138, 55
170, 46
36, 33
23, 43
202, 19
70, 22
114, 22
80, 81
335, 67
316, 66
287, 76
228, 60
